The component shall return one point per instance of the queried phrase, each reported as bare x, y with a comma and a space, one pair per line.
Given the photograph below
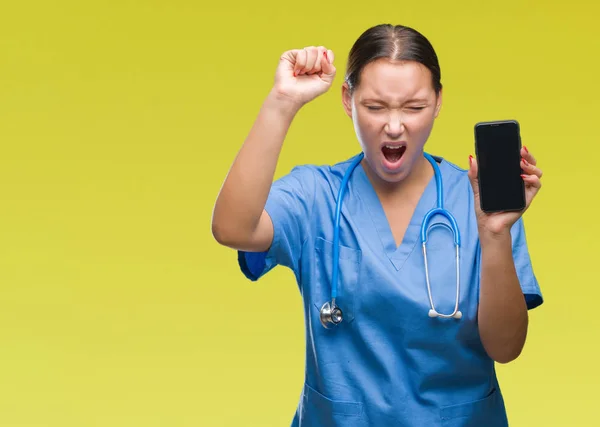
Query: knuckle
301, 60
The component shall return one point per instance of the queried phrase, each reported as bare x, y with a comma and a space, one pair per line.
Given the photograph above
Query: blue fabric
388, 363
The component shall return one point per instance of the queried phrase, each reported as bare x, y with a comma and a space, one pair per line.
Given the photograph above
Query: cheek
419, 126
366, 127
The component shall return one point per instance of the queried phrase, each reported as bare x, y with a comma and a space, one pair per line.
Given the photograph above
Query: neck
415, 182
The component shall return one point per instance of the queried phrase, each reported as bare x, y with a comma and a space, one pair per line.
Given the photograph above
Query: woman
387, 362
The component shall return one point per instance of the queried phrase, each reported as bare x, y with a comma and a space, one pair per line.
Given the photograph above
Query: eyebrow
405, 102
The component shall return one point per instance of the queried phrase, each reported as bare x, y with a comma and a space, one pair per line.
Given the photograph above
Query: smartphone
498, 151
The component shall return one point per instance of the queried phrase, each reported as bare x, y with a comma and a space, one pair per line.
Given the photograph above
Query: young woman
395, 336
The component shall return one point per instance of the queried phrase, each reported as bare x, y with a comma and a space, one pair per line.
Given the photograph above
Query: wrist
282, 104
494, 237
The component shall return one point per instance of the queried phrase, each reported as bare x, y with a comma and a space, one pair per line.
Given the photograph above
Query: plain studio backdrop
118, 123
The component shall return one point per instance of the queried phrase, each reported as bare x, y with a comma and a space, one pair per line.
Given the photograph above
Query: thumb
472, 173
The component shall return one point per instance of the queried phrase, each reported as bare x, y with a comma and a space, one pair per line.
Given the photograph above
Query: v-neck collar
365, 191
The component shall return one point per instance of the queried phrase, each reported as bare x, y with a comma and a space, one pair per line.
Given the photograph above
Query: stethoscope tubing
330, 312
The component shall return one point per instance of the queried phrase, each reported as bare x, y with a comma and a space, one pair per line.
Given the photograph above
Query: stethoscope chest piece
456, 315
330, 315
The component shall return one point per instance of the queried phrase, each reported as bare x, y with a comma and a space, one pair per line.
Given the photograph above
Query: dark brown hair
395, 42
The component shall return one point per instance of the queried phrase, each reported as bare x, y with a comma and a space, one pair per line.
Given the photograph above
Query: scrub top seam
309, 229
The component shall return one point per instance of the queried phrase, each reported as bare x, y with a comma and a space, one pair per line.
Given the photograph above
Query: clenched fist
304, 74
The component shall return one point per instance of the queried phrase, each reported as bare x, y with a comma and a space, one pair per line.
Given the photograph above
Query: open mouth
393, 153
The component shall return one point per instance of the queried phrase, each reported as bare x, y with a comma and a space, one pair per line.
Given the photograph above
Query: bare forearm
244, 193
503, 316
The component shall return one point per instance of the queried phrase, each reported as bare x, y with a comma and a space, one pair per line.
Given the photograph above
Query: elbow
506, 357
227, 235
220, 233
236, 235
217, 234
225, 227
506, 352
222, 226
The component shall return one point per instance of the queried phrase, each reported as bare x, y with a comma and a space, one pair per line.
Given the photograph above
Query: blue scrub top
388, 363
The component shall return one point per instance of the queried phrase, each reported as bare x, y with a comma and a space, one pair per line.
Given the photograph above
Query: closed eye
377, 108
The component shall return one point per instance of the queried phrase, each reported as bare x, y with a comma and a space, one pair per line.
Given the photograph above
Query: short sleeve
289, 205
529, 283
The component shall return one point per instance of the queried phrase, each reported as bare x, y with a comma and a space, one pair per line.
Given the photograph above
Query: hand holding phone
498, 151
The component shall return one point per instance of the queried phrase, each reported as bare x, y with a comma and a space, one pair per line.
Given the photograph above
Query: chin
392, 178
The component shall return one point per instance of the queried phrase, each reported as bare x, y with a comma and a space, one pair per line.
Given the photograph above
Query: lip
393, 144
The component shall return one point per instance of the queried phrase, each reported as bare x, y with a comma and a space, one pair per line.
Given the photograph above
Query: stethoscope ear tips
330, 315
432, 313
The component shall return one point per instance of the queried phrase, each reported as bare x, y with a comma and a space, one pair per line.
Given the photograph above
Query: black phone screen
498, 151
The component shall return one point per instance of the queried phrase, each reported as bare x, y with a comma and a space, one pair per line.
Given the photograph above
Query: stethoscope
331, 314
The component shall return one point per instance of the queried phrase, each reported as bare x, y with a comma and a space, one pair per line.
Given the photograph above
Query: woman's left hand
500, 222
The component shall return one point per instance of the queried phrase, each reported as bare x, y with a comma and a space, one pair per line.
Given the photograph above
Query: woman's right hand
304, 74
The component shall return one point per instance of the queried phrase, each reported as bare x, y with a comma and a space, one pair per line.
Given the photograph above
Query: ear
347, 99
438, 105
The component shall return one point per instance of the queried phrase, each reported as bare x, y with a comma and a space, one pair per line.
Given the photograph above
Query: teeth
392, 148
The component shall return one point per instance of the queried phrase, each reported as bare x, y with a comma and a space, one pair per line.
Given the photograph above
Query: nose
394, 126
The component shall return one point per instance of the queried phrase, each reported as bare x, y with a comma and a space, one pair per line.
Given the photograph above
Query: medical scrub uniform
388, 363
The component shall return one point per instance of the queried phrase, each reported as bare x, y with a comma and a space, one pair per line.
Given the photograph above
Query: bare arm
503, 316
239, 217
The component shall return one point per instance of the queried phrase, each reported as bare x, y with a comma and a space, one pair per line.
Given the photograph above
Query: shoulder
328, 171
457, 188
451, 171
453, 175
317, 176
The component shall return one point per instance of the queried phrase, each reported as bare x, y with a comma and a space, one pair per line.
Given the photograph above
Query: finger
532, 181
327, 67
532, 187
530, 169
472, 175
311, 59
473, 167
528, 156
330, 56
319, 60
290, 57
300, 61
